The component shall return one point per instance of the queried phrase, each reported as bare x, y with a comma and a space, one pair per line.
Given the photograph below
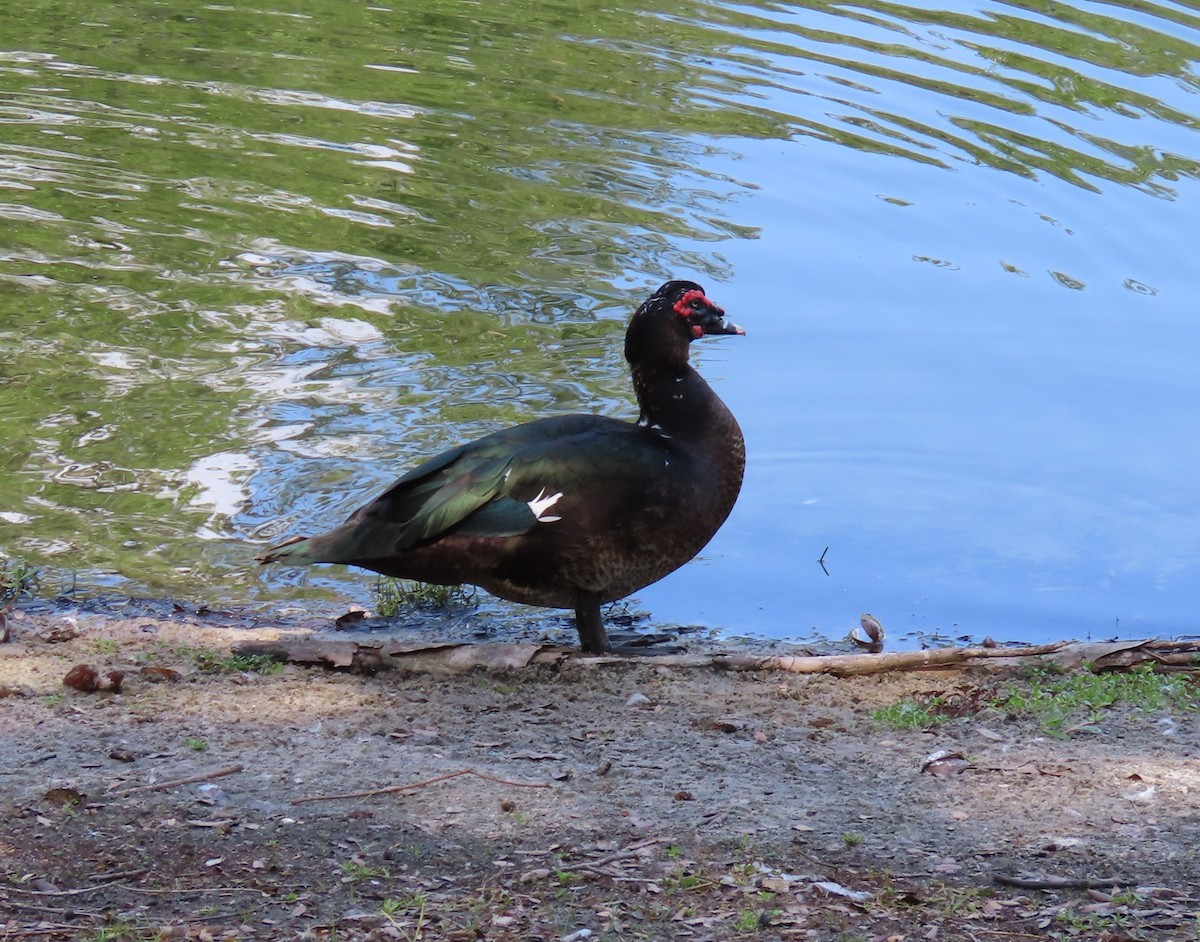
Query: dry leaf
157, 674
836, 889
64, 795
83, 677
1144, 797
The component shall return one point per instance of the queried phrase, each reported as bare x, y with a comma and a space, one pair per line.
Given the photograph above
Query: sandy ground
628, 801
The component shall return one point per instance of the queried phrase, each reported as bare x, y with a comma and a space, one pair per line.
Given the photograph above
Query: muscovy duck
570, 511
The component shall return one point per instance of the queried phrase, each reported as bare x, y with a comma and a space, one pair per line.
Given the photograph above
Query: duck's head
671, 318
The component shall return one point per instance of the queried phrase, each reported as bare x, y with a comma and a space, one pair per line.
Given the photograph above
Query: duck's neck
677, 400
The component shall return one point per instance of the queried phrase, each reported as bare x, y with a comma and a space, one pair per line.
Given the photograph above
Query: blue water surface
259, 261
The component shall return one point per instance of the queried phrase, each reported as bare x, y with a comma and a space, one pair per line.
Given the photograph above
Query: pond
259, 259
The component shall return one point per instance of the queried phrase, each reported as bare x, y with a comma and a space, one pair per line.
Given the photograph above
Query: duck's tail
294, 551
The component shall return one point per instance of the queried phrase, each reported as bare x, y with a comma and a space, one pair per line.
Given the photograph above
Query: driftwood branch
392, 789
440, 658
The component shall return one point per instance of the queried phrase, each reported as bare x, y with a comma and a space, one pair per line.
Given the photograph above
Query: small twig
392, 789
43, 928
33, 907
119, 875
103, 881
1027, 768
1056, 883
630, 851
188, 780
189, 890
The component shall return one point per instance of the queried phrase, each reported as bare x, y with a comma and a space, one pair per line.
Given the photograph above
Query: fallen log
450, 658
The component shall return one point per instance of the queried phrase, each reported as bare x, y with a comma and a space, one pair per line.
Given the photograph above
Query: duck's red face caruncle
702, 316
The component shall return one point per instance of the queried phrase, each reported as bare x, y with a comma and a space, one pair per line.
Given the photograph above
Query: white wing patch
540, 504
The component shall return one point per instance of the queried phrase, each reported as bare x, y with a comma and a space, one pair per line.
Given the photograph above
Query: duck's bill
725, 327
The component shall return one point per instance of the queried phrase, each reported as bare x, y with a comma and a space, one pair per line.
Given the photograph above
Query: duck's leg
593, 639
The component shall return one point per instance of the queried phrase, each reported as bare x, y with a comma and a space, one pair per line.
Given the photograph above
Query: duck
567, 511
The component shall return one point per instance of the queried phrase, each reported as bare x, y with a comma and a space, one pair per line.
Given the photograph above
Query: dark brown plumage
570, 511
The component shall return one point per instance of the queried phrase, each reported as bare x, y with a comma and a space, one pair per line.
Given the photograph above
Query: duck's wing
505, 483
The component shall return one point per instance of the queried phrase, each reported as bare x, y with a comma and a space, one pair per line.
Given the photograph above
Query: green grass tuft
915, 713
210, 662
1067, 703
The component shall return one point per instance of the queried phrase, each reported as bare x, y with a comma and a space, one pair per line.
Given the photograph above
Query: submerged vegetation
393, 596
17, 579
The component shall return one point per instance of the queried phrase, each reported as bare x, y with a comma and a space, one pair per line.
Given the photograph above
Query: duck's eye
691, 302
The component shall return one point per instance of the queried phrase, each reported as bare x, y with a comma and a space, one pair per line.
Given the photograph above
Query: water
257, 261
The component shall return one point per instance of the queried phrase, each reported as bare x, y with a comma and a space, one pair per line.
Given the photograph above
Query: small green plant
355, 871
1079, 923
752, 920
963, 899
414, 900
106, 645
193, 742
1126, 898
910, 714
252, 664
210, 662
744, 873
851, 839
393, 908
17, 579
393, 596
117, 931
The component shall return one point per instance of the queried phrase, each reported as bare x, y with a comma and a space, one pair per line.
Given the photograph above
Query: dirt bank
624, 801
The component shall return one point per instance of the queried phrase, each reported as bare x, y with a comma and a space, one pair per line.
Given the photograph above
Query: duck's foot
593, 639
